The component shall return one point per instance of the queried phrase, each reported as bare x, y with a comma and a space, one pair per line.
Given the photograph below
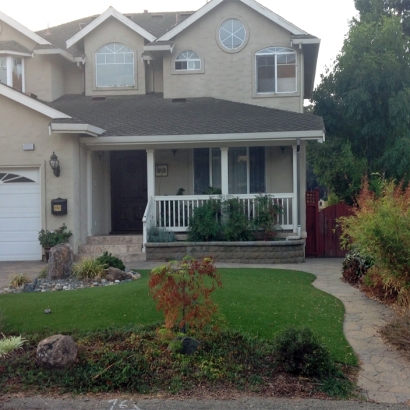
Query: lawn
258, 301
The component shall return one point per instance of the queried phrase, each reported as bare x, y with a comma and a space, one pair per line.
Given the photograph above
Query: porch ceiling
152, 115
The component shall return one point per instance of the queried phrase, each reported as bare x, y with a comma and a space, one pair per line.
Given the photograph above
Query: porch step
126, 247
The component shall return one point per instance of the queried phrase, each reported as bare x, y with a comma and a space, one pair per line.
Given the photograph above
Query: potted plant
48, 239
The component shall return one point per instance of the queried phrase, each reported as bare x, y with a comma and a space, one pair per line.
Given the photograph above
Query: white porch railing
147, 220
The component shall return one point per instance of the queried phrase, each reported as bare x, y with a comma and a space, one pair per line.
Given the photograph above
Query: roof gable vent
157, 15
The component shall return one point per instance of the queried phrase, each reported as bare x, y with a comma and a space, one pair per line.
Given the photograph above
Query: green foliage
108, 260
183, 291
9, 344
89, 269
43, 273
158, 235
380, 229
267, 212
365, 100
19, 280
355, 266
235, 223
299, 352
204, 225
48, 239
397, 332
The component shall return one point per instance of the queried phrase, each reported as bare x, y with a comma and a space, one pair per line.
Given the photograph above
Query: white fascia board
111, 12
48, 51
251, 3
15, 53
160, 47
305, 41
62, 128
190, 20
29, 102
22, 29
196, 139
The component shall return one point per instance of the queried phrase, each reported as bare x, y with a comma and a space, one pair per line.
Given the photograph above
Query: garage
20, 214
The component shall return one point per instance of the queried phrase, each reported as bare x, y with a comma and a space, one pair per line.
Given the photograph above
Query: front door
128, 190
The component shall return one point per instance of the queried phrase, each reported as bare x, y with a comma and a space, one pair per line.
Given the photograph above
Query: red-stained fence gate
323, 234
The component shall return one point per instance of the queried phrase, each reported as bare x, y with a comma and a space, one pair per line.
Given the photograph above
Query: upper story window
187, 60
232, 35
276, 70
12, 72
115, 66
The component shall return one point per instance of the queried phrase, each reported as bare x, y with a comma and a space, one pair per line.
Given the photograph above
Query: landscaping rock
30, 287
189, 345
61, 262
113, 274
57, 351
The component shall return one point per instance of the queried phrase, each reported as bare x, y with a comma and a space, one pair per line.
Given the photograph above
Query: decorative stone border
292, 251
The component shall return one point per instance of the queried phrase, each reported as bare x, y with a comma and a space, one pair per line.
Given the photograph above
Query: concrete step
113, 239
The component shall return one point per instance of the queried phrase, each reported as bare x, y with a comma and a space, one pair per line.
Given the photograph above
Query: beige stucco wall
229, 76
73, 78
20, 125
112, 31
279, 169
8, 33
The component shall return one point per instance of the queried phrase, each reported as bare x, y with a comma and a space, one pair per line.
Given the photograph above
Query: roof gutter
67, 56
66, 128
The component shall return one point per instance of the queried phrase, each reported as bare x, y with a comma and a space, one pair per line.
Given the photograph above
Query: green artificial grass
258, 301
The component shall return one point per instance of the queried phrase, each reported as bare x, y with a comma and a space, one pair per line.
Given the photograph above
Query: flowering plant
49, 239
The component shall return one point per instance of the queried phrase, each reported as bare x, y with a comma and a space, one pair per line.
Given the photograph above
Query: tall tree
365, 102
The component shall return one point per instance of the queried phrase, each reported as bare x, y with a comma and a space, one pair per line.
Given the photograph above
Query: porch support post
89, 193
295, 204
150, 173
224, 171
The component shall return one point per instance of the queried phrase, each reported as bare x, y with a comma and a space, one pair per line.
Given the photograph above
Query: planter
231, 252
47, 253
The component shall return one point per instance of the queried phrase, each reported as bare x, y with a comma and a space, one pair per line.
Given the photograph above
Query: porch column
150, 173
295, 190
89, 193
224, 171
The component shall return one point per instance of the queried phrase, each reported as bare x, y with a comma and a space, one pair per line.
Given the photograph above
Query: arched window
276, 70
187, 60
115, 66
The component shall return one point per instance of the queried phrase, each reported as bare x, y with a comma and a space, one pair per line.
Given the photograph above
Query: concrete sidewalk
384, 375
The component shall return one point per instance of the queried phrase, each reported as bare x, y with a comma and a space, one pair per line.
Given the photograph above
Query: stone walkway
384, 375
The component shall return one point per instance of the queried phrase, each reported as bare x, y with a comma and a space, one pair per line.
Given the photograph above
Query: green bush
204, 225
89, 269
267, 212
236, 225
157, 235
380, 228
355, 266
48, 239
109, 260
299, 352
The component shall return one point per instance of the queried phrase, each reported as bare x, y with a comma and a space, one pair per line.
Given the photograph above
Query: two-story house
136, 107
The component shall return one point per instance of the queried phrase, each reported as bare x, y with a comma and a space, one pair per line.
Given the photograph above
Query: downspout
296, 237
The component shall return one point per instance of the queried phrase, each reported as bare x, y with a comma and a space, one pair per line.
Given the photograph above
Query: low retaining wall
230, 252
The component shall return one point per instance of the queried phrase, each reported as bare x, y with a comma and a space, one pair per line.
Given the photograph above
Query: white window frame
188, 56
232, 34
275, 52
98, 52
9, 70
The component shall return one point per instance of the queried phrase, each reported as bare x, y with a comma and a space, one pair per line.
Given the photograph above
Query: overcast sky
326, 19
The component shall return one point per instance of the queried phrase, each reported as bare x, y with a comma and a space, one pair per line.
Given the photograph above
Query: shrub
8, 344
397, 332
204, 225
266, 215
155, 234
19, 280
355, 266
380, 228
48, 239
108, 260
235, 223
299, 352
182, 290
89, 269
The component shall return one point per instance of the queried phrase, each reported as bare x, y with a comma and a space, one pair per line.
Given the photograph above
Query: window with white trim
207, 170
12, 72
232, 34
115, 66
276, 70
187, 61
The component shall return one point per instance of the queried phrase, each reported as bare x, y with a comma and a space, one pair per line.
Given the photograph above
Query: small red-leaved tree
182, 290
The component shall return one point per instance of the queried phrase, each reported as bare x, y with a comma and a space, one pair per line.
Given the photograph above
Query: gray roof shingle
147, 115
13, 46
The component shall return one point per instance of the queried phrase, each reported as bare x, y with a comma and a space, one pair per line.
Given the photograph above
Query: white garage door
20, 206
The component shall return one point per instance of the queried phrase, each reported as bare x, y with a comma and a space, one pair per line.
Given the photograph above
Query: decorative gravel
72, 283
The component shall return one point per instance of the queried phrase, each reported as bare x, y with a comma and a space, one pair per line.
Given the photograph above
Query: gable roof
15, 48
22, 29
251, 3
110, 12
152, 115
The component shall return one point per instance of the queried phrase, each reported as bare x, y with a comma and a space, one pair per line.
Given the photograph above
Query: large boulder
57, 351
113, 274
60, 263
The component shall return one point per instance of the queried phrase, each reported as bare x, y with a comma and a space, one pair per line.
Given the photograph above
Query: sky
326, 19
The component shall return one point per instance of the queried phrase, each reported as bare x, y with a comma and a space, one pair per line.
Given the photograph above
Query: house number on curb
122, 404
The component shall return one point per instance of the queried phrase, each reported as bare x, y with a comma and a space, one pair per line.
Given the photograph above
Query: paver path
384, 375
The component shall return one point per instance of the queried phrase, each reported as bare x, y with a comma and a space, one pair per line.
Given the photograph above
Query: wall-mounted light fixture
100, 154
282, 149
174, 151
55, 164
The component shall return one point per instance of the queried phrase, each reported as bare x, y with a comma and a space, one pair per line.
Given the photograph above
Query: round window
232, 34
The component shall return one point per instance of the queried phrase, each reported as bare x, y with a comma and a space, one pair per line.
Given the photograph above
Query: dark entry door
128, 190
